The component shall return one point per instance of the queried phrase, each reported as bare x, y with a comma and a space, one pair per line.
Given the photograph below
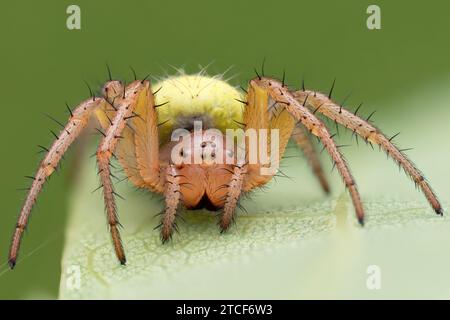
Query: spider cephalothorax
139, 124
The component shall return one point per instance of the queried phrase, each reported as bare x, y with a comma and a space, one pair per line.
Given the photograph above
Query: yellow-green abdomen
197, 97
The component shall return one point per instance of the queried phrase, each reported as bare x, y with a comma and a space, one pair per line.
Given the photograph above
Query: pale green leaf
293, 243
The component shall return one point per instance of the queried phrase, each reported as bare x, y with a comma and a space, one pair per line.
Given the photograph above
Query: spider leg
172, 198
138, 148
134, 94
323, 104
78, 120
304, 142
237, 178
232, 197
264, 113
264, 87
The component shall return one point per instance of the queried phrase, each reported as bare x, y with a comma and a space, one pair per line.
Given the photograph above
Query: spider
136, 123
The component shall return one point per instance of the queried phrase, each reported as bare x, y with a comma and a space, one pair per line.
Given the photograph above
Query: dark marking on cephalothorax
187, 122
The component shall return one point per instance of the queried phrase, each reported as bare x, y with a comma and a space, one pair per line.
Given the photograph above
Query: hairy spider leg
78, 120
135, 94
324, 105
232, 197
138, 150
266, 87
172, 198
304, 142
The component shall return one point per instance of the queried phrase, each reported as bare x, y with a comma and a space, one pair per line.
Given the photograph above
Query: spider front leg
324, 105
261, 88
138, 149
78, 121
136, 93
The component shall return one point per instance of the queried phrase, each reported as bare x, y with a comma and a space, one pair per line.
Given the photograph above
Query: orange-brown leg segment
78, 120
138, 150
306, 145
146, 140
232, 197
126, 149
172, 196
125, 107
324, 105
279, 93
258, 115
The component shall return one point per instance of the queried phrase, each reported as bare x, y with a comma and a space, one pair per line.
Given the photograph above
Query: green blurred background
43, 65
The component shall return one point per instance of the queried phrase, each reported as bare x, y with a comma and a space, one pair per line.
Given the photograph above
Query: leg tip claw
12, 263
361, 222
